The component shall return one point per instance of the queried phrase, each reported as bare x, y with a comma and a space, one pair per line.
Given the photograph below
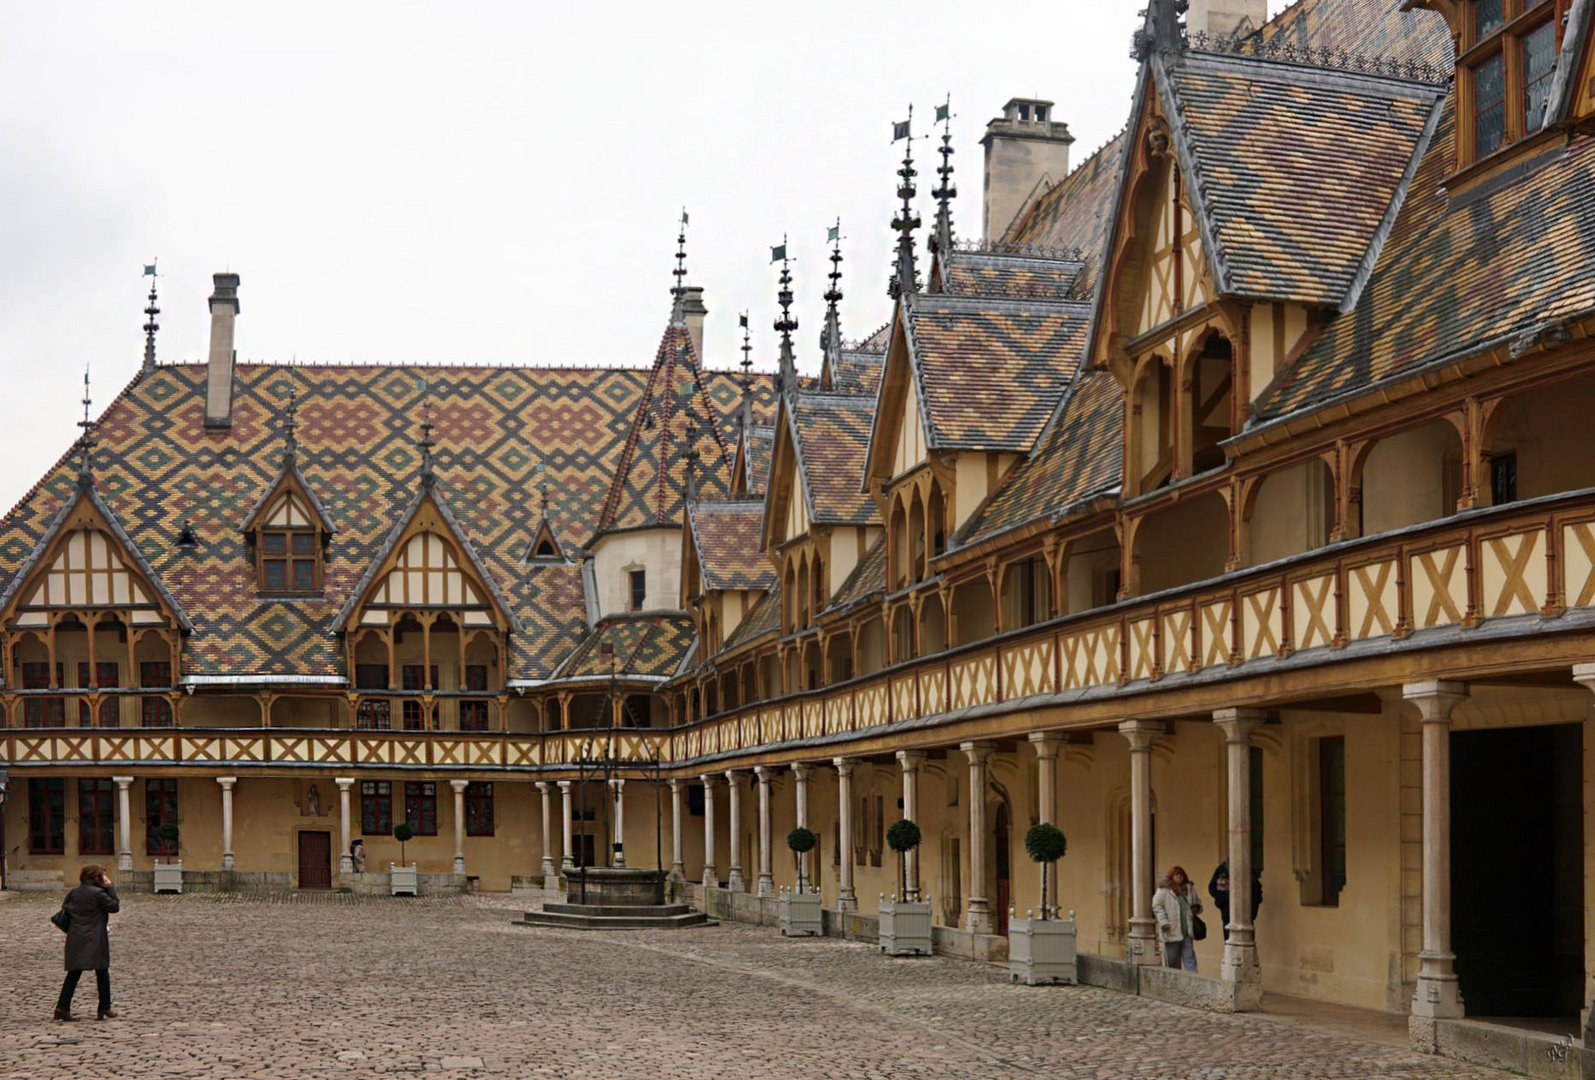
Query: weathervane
86, 441
831, 336
150, 325
678, 294
942, 239
786, 379
905, 279
426, 444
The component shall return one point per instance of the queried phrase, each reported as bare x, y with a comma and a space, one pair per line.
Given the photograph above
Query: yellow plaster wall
1292, 512
1549, 430
657, 551
1410, 477
1185, 543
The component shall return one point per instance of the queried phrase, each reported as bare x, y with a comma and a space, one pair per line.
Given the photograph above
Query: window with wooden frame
96, 817
421, 807
372, 713
412, 709
376, 807
637, 584
160, 807
154, 710
288, 545
473, 713
1508, 56
479, 808
47, 817
41, 711
106, 679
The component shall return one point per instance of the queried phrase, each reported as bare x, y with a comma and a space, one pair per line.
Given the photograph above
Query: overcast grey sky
481, 183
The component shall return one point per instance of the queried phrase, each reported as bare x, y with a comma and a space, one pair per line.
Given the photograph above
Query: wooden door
315, 860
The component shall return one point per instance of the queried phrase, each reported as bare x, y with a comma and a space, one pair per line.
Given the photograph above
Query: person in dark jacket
1218, 889
88, 941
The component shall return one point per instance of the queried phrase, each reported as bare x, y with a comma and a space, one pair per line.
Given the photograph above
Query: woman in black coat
88, 942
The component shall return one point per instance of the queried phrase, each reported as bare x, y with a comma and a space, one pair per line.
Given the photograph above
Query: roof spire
831, 336
290, 443
678, 293
426, 444
1161, 31
905, 278
786, 377
942, 239
86, 440
691, 453
150, 325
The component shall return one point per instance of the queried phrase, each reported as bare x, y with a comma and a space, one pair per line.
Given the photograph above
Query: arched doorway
1004, 890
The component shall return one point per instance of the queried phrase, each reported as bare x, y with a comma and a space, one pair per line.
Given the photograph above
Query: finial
678, 294
290, 444
905, 278
786, 378
747, 351
831, 336
426, 444
86, 441
150, 325
942, 239
1161, 31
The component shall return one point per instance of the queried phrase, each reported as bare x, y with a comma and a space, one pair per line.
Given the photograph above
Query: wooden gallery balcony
1503, 591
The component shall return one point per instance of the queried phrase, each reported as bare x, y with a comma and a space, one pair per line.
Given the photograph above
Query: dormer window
288, 547
1508, 58
637, 582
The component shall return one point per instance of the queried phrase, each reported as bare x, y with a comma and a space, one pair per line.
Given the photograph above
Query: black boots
64, 1014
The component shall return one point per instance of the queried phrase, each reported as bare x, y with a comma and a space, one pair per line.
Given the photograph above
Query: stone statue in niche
313, 801
357, 856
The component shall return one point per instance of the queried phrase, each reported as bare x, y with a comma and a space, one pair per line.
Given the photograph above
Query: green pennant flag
777, 254
149, 269
900, 130
683, 216
742, 320
832, 234
942, 112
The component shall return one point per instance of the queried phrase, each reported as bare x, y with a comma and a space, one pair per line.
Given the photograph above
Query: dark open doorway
1517, 876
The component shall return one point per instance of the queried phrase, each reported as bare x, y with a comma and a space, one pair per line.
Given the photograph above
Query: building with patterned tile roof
1227, 502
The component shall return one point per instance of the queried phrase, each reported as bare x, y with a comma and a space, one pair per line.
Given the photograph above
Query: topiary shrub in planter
904, 922
1042, 950
800, 907
403, 879
168, 876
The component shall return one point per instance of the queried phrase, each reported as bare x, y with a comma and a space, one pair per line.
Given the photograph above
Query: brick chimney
1234, 17
1023, 146
693, 313
219, 370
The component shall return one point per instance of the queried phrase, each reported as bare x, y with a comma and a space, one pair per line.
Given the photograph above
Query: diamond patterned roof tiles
832, 434
727, 536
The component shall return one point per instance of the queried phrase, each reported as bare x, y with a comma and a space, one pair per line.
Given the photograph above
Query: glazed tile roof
156, 465
831, 434
1258, 134
1074, 214
990, 370
764, 619
1456, 275
1374, 28
857, 372
727, 538
649, 486
867, 578
759, 445
648, 644
1080, 455
1000, 273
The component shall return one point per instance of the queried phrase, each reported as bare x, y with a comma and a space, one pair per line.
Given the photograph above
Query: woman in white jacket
1174, 906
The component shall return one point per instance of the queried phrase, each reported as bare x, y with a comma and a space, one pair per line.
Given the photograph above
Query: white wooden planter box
402, 880
1042, 951
168, 877
800, 914
905, 927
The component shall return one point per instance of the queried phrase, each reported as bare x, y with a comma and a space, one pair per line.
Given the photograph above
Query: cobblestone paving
337, 986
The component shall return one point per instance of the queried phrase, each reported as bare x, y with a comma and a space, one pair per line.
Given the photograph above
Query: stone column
345, 860
1240, 950
911, 760
459, 824
979, 916
1584, 675
1437, 996
800, 785
546, 790
711, 880
567, 859
766, 874
227, 783
678, 869
618, 795
124, 823
1144, 947
733, 784
846, 899
1047, 744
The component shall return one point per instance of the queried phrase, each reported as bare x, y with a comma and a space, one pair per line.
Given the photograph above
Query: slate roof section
760, 445
762, 621
990, 371
857, 372
1074, 214
1373, 28
1298, 170
1454, 277
1010, 274
831, 434
1081, 454
867, 578
646, 644
727, 536
156, 465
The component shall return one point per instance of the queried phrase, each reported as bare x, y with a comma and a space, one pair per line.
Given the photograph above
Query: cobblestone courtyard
326, 985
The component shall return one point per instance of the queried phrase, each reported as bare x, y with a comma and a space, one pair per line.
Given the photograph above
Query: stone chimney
1226, 17
692, 313
1023, 146
219, 371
